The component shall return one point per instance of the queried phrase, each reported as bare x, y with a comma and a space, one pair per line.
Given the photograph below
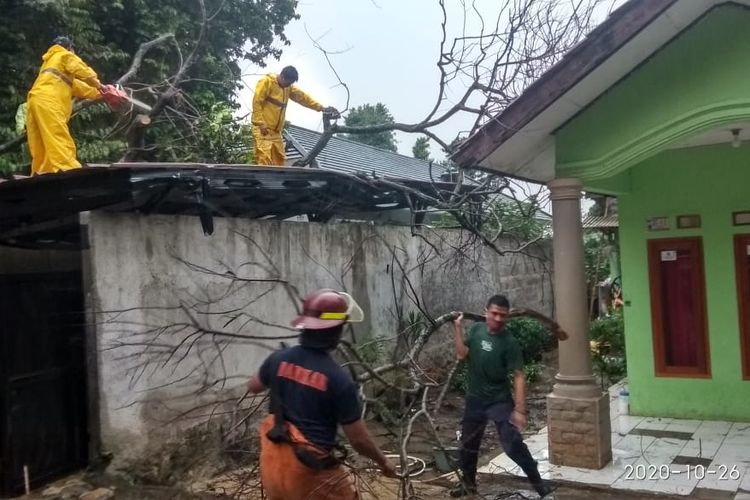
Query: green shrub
461, 378
533, 337
459, 382
372, 350
608, 346
533, 371
534, 340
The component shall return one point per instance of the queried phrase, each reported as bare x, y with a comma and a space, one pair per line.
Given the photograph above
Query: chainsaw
119, 100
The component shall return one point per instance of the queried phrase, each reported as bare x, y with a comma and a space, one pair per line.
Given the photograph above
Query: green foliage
509, 218
533, 372
221, 138
421, 149
596, 261
410, 326
460, 381
534, 340
107, 35
608, 346
514, 218
532, 336
367, 115
372, 350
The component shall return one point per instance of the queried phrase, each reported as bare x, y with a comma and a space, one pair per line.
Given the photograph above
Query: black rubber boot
464, 490
542, 488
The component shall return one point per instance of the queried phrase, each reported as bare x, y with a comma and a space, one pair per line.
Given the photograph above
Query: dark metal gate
42, 378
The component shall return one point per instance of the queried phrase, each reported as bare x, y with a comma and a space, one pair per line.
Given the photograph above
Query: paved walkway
657, 455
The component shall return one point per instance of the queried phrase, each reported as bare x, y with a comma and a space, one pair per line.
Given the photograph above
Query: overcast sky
388, 51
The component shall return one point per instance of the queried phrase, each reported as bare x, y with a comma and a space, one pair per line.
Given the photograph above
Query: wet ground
374, 487
428, 485
514, 489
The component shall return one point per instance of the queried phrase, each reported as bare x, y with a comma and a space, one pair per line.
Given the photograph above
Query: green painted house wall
695, 83
619, 144
713, 182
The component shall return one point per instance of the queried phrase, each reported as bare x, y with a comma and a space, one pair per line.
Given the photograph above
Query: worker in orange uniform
269, 110
62, 77
311, 395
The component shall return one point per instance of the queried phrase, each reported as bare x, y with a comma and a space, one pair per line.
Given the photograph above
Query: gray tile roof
599, 222
344, 155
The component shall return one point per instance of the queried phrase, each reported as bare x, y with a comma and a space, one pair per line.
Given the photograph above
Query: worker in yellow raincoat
62, 77
269, 109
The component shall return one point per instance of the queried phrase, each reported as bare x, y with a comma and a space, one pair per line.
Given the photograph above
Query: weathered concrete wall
156, 278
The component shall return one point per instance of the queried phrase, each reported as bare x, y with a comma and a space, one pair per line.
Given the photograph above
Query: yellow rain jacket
50, 104
269, 108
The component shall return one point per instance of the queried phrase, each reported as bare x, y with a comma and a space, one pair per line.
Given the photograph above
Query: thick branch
411, 356
123, 80
136, 134
135, 65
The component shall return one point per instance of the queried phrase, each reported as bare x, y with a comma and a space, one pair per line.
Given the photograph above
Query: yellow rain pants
268, 149
269, 108
50, 104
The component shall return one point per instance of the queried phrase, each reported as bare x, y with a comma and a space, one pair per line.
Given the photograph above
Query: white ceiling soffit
721, 135
529, 153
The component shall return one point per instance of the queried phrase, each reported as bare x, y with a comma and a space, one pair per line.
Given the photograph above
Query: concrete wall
154, 279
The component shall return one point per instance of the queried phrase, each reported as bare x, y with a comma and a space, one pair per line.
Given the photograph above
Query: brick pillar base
579, 431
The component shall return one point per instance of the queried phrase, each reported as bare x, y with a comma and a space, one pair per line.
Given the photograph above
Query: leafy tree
503, 216
107, 35
608, 338
221, 138
421, 148
515, 218
367, 115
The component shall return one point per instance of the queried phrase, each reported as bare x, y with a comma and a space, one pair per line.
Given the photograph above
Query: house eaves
519, 141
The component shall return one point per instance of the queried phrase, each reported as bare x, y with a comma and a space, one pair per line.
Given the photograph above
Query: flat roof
42, 211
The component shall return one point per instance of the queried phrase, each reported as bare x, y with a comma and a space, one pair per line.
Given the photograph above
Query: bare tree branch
143, 49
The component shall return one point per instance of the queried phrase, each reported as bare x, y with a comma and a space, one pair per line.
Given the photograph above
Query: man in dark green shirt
492, 356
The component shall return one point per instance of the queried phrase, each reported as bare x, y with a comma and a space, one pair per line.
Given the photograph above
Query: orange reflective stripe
275, 102
303, 376
62, 77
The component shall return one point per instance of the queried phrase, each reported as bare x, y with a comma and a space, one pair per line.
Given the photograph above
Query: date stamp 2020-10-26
652, 472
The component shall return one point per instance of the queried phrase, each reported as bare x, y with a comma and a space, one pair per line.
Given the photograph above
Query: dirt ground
375, 488
430, 484
448, 421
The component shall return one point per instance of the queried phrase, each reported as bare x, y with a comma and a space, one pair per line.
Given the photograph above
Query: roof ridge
361, 144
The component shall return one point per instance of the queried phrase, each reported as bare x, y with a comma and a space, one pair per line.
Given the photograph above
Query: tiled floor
644, 462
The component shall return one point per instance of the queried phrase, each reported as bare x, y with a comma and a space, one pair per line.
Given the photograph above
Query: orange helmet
327, 308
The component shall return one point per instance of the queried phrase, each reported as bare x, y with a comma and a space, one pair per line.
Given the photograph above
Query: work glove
332, 112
